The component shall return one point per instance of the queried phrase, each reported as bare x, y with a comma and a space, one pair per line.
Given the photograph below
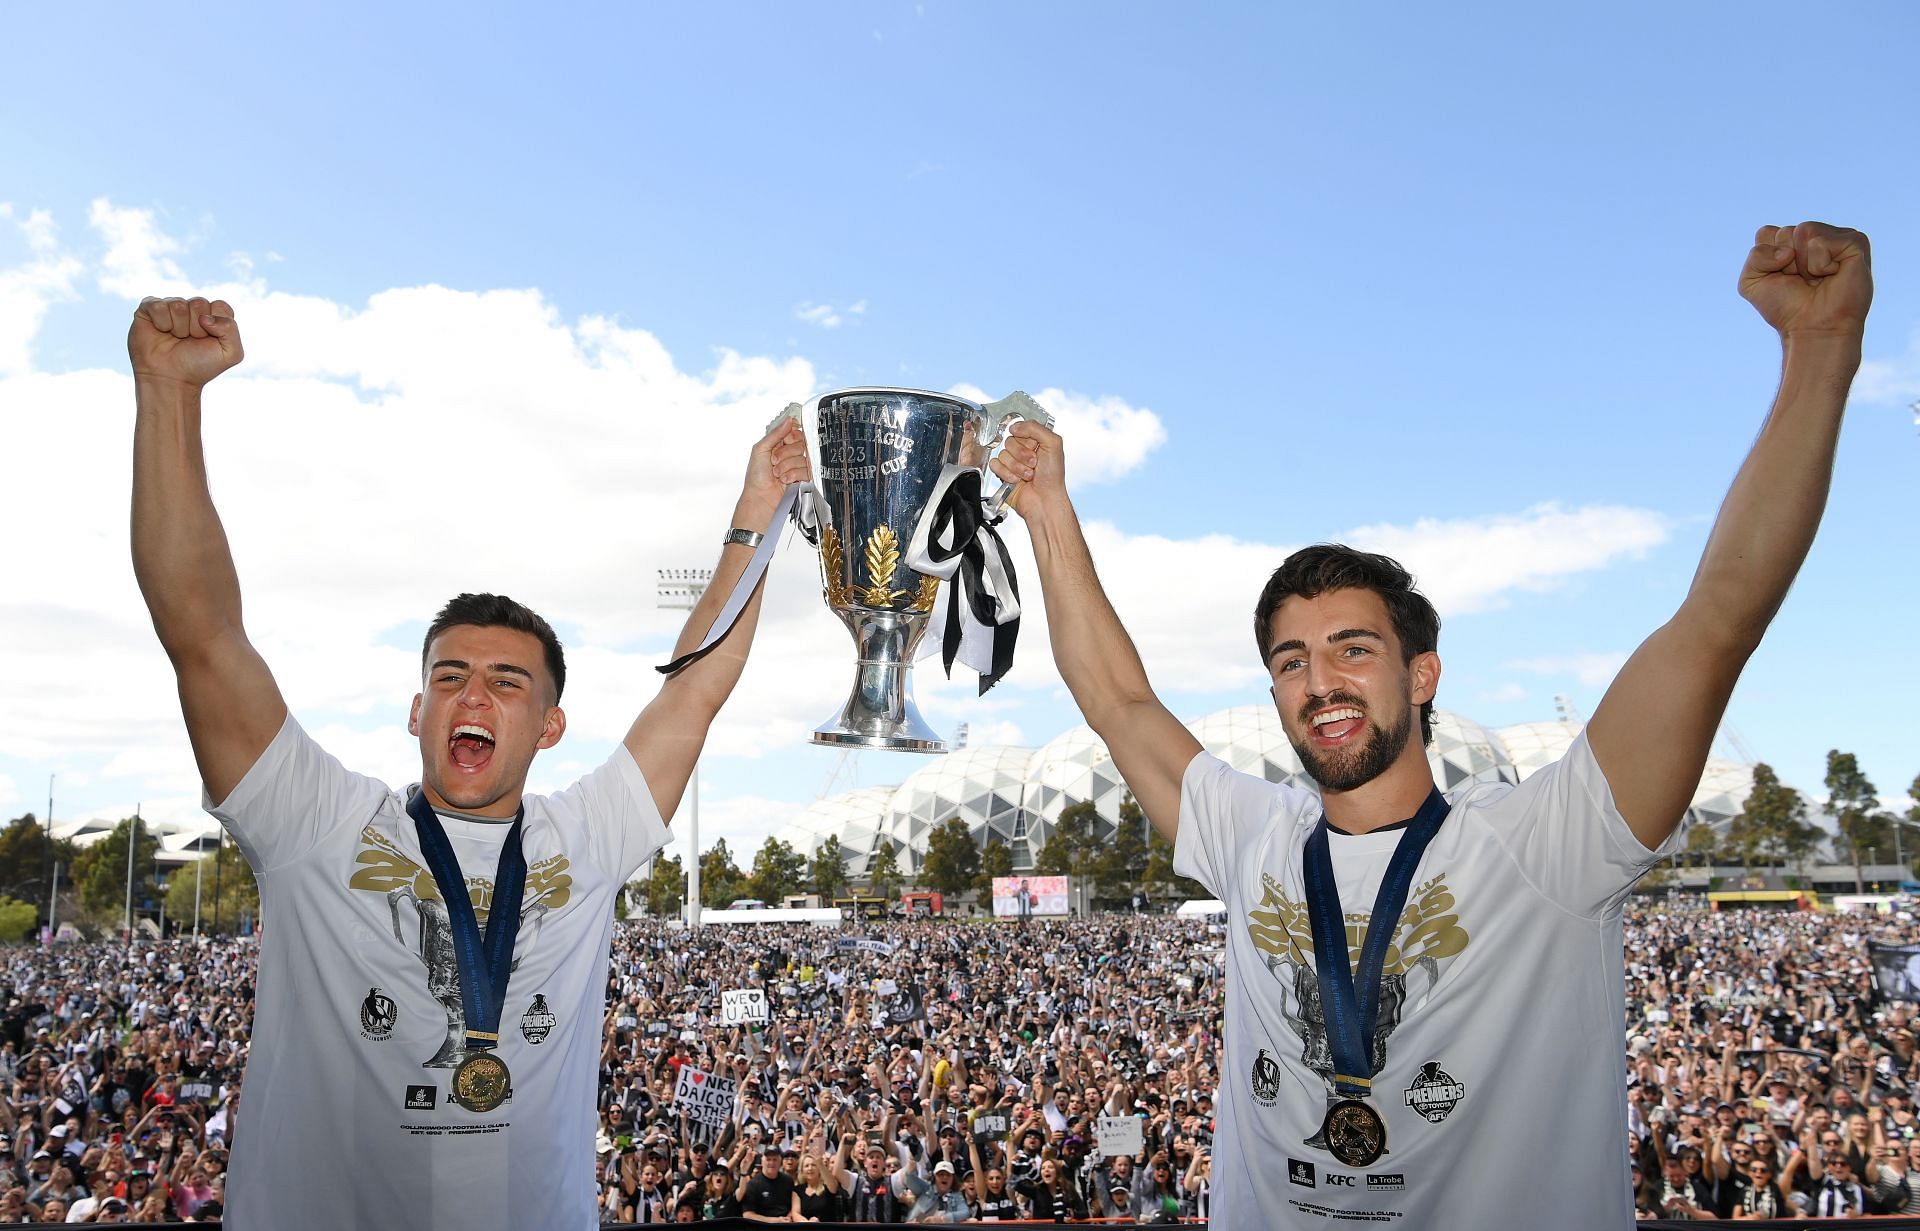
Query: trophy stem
880, 712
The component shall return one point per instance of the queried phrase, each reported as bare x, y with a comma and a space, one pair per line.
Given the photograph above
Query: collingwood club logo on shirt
537, 1022
1266, 1079
377, 1016
1434, 1093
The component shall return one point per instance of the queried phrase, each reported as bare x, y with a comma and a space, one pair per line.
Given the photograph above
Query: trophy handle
1016, 405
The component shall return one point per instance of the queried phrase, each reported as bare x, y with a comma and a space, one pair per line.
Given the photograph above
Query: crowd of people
942, 1071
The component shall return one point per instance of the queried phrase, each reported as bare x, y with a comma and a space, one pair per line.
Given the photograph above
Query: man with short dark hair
433, 969
1393, 1090
768, 1196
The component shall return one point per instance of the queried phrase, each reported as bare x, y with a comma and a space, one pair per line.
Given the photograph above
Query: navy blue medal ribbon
1351, 1010
485, 961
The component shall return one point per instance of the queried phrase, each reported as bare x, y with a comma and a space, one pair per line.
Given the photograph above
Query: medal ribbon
1351, 1015
749, 579
486, 962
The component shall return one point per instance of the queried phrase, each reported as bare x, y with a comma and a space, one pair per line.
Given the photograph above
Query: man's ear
1426, 676
413, 716
555, 728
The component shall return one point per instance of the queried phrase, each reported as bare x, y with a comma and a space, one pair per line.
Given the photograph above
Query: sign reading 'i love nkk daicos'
704, 1098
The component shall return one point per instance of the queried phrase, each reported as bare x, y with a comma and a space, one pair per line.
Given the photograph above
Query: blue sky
1454, 283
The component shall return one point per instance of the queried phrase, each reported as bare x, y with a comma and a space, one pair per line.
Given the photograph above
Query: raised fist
1811, 278
190, 341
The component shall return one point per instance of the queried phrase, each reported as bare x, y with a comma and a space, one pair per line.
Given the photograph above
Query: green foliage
666, 887
1159, 874
16, 920
883, 873
828, 870
1122, 864
778, 870
1855, 809
995, 860
721, 881
953, 861
1773, 826
226, 883
27, 857
100, 872
1070, 847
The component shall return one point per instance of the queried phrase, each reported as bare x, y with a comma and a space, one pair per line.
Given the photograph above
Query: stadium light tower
679, 589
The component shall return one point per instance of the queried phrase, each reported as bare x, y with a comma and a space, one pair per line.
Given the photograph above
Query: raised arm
1651, 733
228, 697
666, 738
1096, 658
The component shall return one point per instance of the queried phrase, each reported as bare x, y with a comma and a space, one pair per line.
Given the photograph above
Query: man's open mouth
471, 746
1337, 723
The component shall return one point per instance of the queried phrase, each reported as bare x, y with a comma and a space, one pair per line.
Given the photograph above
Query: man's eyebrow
1345, 634
461, 665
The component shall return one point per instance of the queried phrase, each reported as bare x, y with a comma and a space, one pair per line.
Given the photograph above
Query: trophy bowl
882, 454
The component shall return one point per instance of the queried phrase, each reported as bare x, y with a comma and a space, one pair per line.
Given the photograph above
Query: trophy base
880, 712
834, 737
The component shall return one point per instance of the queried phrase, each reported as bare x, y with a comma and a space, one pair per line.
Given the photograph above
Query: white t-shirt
345, 1119
1504, 985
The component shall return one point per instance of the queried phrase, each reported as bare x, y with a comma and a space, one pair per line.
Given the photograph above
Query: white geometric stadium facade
1016, 795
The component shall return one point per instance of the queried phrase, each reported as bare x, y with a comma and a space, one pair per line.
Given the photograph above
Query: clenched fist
1812, 278
190, 341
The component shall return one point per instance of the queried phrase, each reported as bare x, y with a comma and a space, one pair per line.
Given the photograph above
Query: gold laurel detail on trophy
883, 559
833, 566
929, 587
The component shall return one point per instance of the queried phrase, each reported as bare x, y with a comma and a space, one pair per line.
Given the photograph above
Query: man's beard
1346, 770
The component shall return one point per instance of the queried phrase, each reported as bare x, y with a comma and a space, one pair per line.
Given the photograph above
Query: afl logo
537, 1022
1434, 1093
377, 1015
1266, 1079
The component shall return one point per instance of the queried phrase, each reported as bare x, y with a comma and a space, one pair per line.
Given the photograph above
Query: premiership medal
482, 1082
484, 959
1353, 1131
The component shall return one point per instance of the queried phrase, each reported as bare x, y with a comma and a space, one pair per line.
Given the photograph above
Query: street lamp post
679, 589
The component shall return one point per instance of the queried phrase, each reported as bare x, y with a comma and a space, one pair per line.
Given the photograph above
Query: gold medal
482, 1082
1353, 1131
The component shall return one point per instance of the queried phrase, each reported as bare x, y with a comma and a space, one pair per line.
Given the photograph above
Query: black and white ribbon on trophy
978, 611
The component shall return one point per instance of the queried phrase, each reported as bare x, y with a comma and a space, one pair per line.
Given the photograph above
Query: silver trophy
883, 455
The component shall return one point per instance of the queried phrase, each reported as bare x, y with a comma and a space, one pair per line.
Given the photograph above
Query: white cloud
1591, 670
369, 460
819, 314
139, 259
1894, 379
1104, 437
28, 290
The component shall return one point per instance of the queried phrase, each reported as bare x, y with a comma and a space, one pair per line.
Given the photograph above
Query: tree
720, 880
228, 893
1853, 805
952, 859
16, 919
100, 872
996, 860
883, 872
667, 887
1069, 848
1773, 823
1122, 864
778, 870
1159, 873
828, 870
27, 857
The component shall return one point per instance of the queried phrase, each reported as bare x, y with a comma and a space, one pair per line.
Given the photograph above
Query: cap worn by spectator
943, 1166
